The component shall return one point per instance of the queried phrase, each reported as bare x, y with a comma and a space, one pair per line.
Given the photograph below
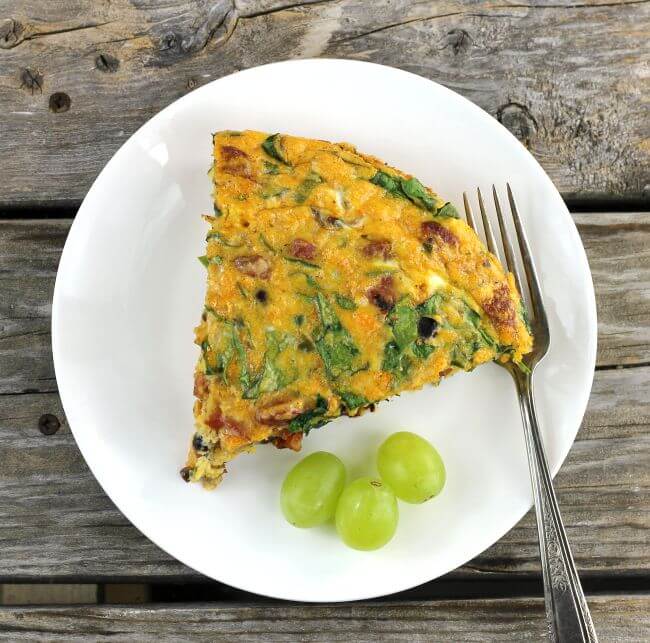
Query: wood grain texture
618, 250
29, 256
568, 78
617, 244
56, 522
616, 618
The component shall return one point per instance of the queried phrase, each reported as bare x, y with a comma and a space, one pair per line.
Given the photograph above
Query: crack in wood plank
617, 617
481, 15
31, 32
579, 82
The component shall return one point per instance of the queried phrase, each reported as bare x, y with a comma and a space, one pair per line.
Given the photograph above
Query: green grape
366, 516
411, 467
311, 489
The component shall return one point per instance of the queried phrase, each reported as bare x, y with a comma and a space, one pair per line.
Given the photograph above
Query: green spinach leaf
307, 185
271, 191
210, 369
273, 147
352, 401
388, 182
448, 210
416, 192
410, 189
345, 302
271, 168
461, 356
312, 419
302, 262
422, 350
404, 322
382, 271
212, 260
328, 317
266, 243
217, 235
523, 313
333, 341
395, 361
431, 306
475, 320
271, 378
244, 375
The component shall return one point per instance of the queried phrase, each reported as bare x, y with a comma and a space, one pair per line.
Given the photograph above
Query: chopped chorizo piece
242, 169
433, 231
380, 248
302, 249
201, 385
253, 266
499, 308
235, 428
383, 295
215, 421
282, 411
228, 152
287, 440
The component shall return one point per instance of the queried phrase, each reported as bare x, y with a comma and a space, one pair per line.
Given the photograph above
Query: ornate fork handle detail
567, 613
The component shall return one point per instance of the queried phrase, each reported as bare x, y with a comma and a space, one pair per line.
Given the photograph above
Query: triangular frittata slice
334, 282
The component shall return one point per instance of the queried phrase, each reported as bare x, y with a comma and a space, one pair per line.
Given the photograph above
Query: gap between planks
616, 618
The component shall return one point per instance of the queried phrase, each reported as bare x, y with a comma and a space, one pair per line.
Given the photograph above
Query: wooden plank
617, 246
603, 486
569, 79
618, 249
47, 594
29, 256
56, 522
616, 618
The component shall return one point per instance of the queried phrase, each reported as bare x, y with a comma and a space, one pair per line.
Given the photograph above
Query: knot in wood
170, 42
459, 41
48, 424
59, 102
519, 121
107, 63
31, 80
11, 33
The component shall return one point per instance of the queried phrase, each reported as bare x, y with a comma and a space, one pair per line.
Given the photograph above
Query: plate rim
58, 359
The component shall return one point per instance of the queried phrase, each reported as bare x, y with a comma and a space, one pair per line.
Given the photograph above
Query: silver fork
567, 612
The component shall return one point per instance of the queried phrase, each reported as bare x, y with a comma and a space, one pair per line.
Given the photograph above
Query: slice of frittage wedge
334, 282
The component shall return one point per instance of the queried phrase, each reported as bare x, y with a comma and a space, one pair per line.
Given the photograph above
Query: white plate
130, 290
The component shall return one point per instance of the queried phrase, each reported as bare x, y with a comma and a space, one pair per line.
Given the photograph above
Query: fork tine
468, 213
505, 238
529, 266
489, 236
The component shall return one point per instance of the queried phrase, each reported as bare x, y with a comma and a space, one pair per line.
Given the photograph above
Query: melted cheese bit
435, 282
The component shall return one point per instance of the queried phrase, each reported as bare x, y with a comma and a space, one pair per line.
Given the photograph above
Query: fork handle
567, 613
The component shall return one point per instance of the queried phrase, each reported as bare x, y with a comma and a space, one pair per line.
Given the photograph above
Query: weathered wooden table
77, 77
